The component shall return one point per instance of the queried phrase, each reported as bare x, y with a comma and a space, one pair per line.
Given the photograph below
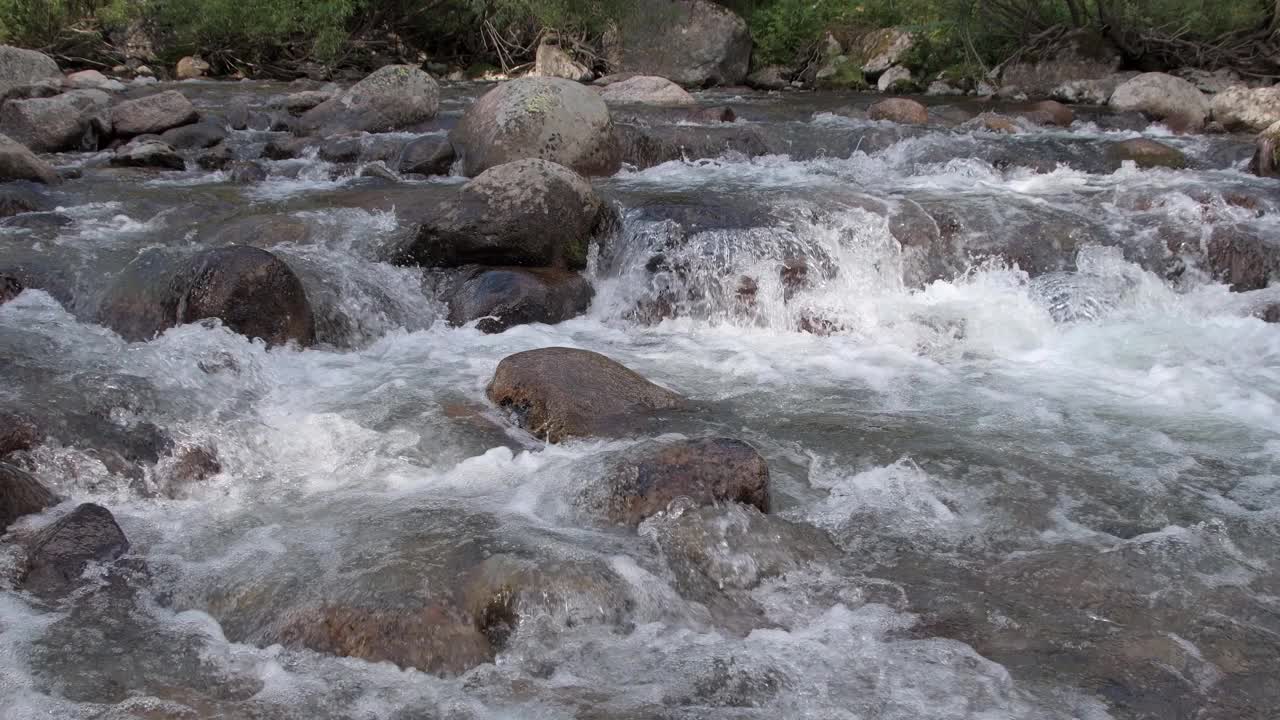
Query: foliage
252, 31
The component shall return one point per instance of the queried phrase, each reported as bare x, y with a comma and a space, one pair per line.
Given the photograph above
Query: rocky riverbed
502, 401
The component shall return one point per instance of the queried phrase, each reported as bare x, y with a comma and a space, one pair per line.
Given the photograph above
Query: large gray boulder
20, 67
1163, 97
548, 118
392, 98
1244, 108
529, 212
19, 163
76, 120
152, 114
694, 42
646, 90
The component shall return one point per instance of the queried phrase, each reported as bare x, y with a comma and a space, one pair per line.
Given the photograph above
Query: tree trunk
1077, 16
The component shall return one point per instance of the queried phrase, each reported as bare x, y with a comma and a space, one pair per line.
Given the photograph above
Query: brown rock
10, 288
59, 553
18, 432
1145, 154
560, 393
899, 110
1061, 115
993, 122
647, 479
21, 494
1242, 259
430, 639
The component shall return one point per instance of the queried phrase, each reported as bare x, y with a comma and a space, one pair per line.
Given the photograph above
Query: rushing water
997, 493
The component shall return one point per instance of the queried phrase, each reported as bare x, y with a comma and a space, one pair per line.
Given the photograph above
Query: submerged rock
20, 197
10, 288
59, 553
647, 89
391, 98
250, 290
429, 155
429, 639
645, 480
1145, 154
1163, 97
20, 493
19, 163
528, 212
1243, 259
1058, 114
646, 147
501, 298
560, 393
153, 114
76, 120
899, 110
17, 432
692, 42
548, 118
993, 122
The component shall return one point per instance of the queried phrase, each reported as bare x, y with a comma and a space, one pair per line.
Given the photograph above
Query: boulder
92, 80
552, 61
77, 120
528, 212
894, 79
645, 480
394, 97
250, 290
646, 89
10, 288
770, 77
19, 163
548, 118
899, 110
152, 114
190, 68
1080, 55
430, 155
1266, 157
430, 639
58, 554
1057, 113
21, 494
194, 137
20, 67
1243, 108
1145, 154
559, 393
1242, 259
1271, 313
646, 146
144, 153
881, 49
501, 298
695, 43
1088, 92
218, 157
1163, 97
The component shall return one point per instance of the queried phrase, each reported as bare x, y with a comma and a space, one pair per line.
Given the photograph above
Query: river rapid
1037, 489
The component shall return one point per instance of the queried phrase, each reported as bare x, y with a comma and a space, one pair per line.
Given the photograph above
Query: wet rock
252, 291
217, 157
300, 102
895, 79
59, 553
153, 114
1163, 97
1244, 108
286, 148
148, 154
392, 98
429, 639
19, 163
1242, 259
648, 146
770, 77
19, 67
194, 137
238, 114
1088, 92
501, 298
1059, 114
993, 122
528, 212
341, 148
378, 170
645, 480
263, 231
1078, 55
899, 110
17, 198
551, 60
92, 80
692, 42
561, 393
10, 288
548, 118
17, 432
429, 155
1145, 154
1271, 313
246, 172
1266, 156
76, 120
647, 89
21, 494
190, 68
192, 465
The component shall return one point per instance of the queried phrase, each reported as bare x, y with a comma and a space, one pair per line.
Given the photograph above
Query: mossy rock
842, 73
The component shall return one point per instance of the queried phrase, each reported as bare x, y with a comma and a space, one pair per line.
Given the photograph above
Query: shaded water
1048, 489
